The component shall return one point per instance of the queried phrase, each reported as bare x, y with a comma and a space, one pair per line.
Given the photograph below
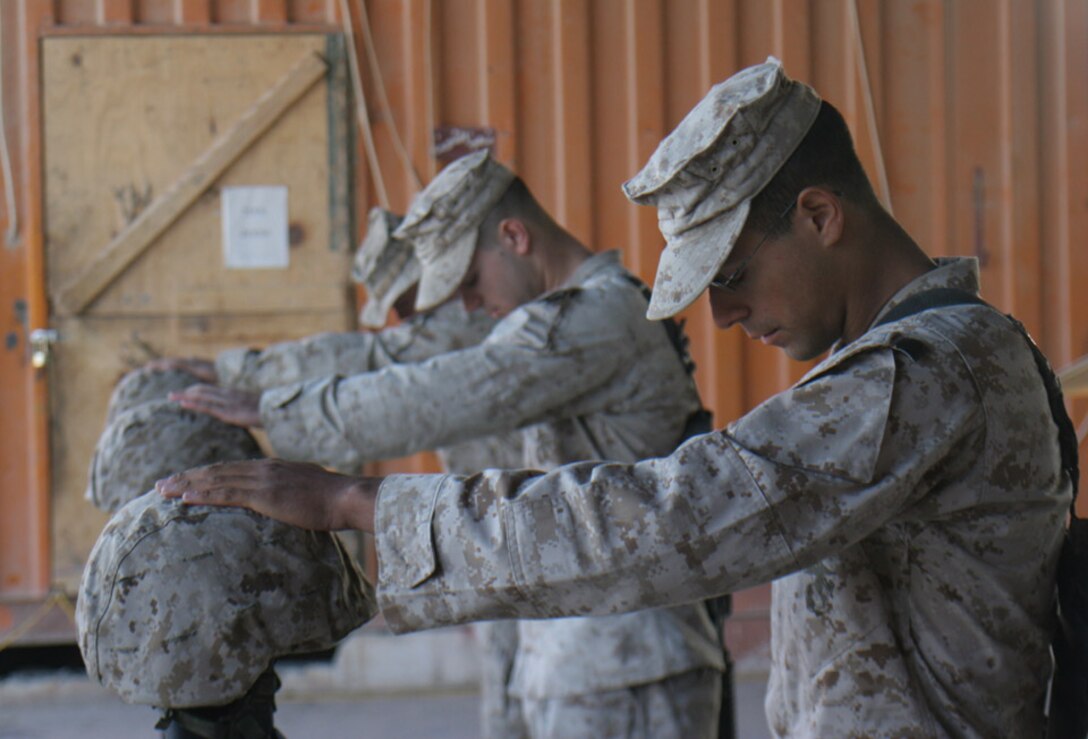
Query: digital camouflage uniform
905, 497
586, 377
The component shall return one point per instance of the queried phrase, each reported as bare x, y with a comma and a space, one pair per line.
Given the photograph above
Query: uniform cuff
402, 528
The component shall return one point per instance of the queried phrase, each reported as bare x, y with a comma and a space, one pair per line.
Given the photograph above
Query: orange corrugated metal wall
969, 114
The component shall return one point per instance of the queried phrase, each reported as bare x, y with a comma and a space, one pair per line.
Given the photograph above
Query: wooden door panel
124, 120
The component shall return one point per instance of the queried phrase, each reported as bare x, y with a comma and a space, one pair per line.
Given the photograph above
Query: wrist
359, 503
254, 400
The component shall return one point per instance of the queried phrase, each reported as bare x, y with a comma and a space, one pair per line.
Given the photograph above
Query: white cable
870, 108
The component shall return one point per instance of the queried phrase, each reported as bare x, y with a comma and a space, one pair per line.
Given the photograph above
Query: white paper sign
255, 227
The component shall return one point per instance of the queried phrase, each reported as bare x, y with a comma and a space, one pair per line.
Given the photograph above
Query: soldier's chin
803, 351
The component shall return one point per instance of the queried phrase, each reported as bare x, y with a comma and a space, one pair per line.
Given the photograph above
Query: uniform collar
960, 273
601, 262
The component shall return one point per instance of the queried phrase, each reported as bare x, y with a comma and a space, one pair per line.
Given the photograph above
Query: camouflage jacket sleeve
812, 470
445, 329
543, 362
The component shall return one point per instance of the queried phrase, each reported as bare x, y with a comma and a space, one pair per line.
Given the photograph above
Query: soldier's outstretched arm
517, 377
807, 473
448, 328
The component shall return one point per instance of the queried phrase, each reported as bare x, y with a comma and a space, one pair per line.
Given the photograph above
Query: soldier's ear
821, 211
514, 236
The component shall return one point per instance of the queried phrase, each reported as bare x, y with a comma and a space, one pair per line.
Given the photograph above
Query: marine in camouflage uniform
585, 376
624, 378
906, 497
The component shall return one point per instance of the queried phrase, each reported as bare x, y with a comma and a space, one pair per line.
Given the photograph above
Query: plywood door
123, 119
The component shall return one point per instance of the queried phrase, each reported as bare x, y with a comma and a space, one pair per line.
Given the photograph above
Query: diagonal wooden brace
74, 297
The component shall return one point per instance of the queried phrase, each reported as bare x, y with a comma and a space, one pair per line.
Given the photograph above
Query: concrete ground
68, 706
96, 713
377, 686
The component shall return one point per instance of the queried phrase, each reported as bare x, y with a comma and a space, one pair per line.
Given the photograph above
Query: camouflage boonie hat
443, 221
385, 266
185, 606
144, 384
704, 174
154, 440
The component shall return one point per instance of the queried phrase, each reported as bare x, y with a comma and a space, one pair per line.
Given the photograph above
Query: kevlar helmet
154, 440
145, 384
184, 606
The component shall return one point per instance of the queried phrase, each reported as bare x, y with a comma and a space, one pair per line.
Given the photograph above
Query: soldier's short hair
825, 157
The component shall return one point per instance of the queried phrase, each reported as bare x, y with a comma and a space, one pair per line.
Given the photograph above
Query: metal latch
41, 346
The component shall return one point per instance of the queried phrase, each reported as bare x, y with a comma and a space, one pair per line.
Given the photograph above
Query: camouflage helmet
186, 606
146, 384
154, 440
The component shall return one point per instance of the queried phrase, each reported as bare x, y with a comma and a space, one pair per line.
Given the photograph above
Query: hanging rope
428, 77
376, 72
12, 235
870, 107
361, 108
